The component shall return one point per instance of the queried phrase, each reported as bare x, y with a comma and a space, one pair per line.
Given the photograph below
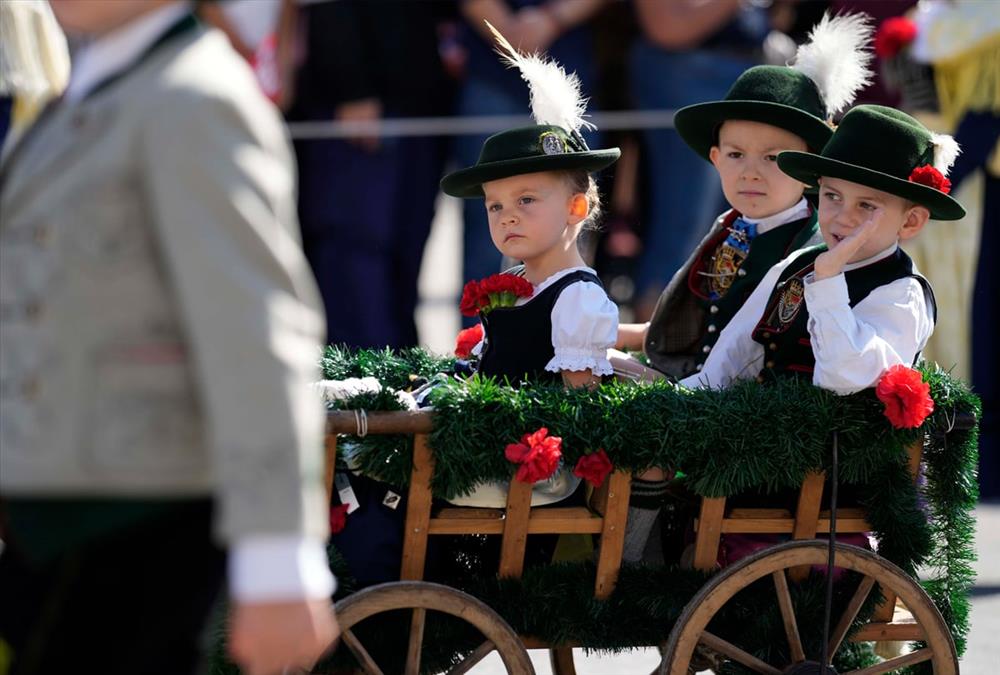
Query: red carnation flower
931, 177
470, 299
467, 339
906, 397
894, 34
338, 517
537, 453
497, 290
593, 467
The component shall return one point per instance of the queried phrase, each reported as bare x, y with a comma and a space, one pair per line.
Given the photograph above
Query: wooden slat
807, 515
515, 530
807, 511
787, 525
557, 520
706, 545
890, 665
477, 655
418, 511
889, 632
330, 458
609, 558
384, 422
365, 660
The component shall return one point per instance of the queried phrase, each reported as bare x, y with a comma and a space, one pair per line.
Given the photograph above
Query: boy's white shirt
262, 568
853, 346
798, 211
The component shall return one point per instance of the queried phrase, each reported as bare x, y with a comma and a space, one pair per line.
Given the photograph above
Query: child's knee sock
644, 505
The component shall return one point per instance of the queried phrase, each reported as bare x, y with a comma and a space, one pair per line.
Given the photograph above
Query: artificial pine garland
746, 437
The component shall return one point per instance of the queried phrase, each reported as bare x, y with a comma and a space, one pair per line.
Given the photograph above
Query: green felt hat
542, 147
775, 95
882, 148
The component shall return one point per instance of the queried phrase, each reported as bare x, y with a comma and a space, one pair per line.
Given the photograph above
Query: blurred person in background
263, 33
34, 64
366, 203
560, 29
159, 327
690, 51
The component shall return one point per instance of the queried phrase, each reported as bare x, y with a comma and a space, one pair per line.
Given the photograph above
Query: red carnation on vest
906, 397
497, 290
931, 177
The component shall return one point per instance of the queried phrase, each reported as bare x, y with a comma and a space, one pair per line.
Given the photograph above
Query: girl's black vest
782, 329
519, 339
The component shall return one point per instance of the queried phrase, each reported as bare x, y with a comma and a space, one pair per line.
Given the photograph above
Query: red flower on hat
467, 339
537, 453
906, 397
593, 467
931, 177
338, 517
497, 290
894, 34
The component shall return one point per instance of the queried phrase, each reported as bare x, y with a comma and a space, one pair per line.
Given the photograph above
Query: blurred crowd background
383, 96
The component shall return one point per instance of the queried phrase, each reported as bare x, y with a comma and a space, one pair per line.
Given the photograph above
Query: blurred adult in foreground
159, 328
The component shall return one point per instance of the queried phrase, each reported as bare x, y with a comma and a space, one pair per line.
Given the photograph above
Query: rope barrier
469, 125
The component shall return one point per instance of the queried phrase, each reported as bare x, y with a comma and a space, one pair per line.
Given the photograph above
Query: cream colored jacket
158, 321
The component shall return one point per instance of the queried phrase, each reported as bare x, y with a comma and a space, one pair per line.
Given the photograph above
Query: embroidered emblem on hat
790, 301
552, 144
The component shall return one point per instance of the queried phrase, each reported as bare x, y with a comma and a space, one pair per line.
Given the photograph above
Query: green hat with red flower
554, 143
885, 149
828, 72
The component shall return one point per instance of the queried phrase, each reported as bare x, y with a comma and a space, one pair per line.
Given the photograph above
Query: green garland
784, 431
745, 438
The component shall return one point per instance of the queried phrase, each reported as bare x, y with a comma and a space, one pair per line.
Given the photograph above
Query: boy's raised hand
832, 262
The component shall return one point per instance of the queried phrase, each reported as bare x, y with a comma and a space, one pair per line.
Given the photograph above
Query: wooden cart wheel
421, 596
690, 631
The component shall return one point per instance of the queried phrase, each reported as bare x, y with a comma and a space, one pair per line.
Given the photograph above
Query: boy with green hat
768, 109
844, 312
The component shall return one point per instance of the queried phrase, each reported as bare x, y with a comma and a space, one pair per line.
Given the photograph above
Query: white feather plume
946, 151
555, 95
837, 59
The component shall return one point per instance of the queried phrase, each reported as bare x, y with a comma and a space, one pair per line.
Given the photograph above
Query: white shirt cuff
826, 293
276, 568
567, 358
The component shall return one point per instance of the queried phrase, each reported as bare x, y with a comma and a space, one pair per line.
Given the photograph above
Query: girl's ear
578, 207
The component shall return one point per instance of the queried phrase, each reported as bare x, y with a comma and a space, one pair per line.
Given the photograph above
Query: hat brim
468, 183
698, 124
808, 168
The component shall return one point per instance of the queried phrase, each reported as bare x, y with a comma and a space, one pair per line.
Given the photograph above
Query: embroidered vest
741, 274
782, 330
519, 339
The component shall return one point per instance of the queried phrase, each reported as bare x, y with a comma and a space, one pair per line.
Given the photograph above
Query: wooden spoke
896, 663
788, 616
416, 640
477, 655
725, 648
847, 618
361, 654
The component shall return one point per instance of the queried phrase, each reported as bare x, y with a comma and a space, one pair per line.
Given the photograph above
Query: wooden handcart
904, 612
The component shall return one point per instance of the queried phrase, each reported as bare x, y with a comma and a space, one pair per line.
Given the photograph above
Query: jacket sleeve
218, 171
